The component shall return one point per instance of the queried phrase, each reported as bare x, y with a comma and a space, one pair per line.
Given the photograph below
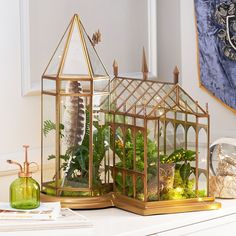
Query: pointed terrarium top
75, 55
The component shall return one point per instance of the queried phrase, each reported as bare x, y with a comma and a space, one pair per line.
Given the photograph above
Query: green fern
49, 126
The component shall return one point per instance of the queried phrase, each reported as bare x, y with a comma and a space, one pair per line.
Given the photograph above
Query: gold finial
115, 68
207, 109
176, 75
144, 65
196, 106
96, 38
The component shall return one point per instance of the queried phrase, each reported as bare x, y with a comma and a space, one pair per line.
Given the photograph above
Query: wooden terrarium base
136, 206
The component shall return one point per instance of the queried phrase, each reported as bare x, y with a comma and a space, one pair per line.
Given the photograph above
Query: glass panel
191, 118
202, 164
75, 59
70, 87
169, 145
53, 67
180, 137
101, 160
139, 122
119, 119
129, 149
191, 138
129, 186
129, 120
97, 66
49, 143
119, 182
75, 120
139, 151
177, 168
119, 147
139, 188
152, 159
188, 103
101, 86
49, 85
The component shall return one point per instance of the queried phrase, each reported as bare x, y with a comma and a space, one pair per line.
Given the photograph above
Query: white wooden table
112, 221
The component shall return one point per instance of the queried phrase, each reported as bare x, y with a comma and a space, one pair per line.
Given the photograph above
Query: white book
46, 211
67, 219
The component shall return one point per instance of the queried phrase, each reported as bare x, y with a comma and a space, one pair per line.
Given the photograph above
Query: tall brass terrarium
75, 135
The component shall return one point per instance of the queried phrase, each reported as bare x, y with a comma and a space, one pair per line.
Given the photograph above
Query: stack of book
47, 216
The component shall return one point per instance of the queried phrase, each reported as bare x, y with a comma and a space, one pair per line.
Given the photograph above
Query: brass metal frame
138, 100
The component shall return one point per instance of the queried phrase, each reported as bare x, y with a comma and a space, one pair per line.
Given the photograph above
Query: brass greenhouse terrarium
134, 143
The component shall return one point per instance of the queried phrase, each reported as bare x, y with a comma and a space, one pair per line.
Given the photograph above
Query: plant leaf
185, 171
190, 155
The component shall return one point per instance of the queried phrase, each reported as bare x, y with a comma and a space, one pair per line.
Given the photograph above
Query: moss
52, 192
182, 190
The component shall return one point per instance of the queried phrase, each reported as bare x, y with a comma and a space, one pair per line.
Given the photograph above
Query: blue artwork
216, 25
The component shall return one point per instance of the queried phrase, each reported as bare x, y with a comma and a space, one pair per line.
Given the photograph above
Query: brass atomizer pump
24, 191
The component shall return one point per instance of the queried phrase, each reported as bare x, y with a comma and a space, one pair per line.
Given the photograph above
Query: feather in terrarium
74, 120
74, 115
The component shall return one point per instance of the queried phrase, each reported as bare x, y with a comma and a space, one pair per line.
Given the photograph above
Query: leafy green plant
49, 126
182, 159
78, 168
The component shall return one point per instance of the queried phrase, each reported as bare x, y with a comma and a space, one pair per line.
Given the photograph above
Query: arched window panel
202, 184
161, 137
129, 150
168, 181
119, 186
180, 136
139, 157
139, 188
169, 138
202, 163
191, 138
152, 160
119, 147
129, 186
202, 148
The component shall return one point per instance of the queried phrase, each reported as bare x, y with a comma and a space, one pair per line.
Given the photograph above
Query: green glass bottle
24, 191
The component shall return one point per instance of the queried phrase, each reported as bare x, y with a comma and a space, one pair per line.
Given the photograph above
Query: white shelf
115, 222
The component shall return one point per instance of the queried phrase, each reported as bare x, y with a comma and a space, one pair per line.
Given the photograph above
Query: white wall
223, 121
20, 117
168, 38
123, 24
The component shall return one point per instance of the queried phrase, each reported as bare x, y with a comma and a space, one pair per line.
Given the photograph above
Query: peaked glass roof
149, 99
75, 56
